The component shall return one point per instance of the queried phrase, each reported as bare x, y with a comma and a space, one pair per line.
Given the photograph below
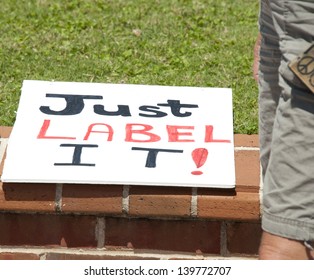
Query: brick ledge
50, 221
140, 201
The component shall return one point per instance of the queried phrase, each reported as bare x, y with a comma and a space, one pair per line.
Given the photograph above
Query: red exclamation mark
199, 156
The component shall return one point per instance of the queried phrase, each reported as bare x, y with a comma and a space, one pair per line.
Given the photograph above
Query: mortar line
223, 239
194, 202
43, 256
58, 197
126, 199
100, 232
246, 148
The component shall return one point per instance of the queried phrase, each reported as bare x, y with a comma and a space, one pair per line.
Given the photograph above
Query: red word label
137, 132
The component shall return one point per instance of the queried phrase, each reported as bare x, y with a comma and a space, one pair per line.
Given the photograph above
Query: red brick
18, 256
243, 238
47, 230
247, 168
242, 206
245, 140
159, 201
92, 199
27, 197
171, 235
5, 131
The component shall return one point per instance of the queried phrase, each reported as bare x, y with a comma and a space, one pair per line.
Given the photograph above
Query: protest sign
67, 132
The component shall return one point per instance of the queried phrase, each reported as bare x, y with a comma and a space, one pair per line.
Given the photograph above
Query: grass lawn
206, 43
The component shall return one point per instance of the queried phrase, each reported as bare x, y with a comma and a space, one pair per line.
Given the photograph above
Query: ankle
279, 248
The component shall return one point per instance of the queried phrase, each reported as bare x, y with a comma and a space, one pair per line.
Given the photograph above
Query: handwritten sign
122, 134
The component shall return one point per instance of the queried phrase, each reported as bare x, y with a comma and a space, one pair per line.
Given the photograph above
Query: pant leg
269, 89
288, 199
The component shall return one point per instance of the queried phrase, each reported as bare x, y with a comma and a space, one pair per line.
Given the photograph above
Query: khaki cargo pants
286, 120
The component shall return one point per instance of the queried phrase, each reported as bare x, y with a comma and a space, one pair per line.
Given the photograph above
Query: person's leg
274, 247
268, 78
287, 150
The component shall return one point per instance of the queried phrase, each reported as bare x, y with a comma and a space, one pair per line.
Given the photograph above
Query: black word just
75, 105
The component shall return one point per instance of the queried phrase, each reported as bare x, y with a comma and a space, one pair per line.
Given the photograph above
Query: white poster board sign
122, 134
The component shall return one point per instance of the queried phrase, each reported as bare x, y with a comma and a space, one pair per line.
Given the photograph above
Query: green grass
164, 42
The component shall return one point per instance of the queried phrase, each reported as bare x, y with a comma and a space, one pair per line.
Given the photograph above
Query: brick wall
68, 221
